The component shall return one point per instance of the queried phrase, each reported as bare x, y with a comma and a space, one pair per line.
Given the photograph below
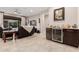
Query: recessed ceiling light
16, 11
31, 10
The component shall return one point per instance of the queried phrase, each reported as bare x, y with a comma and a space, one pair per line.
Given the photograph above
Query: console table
13, 33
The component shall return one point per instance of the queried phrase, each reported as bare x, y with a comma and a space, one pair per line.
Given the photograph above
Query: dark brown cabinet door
49, 33
70, 37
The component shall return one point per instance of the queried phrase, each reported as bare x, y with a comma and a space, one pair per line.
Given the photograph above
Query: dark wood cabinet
71, 37
49, 33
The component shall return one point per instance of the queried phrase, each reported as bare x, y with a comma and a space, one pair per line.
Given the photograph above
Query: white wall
78, 17
1, 19
23, 21
42, 25
36, 17
46, 17
70, 16
9, 14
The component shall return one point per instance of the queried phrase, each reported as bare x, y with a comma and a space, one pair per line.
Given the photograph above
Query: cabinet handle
70, 30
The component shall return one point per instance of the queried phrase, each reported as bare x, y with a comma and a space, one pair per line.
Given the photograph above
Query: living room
42, 28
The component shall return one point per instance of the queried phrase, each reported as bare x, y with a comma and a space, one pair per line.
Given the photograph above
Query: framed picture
26, 22
33, 23
59, 14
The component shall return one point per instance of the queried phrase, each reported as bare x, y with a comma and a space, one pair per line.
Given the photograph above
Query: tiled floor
35, 43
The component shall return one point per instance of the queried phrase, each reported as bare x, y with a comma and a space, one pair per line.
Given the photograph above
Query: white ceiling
24, 11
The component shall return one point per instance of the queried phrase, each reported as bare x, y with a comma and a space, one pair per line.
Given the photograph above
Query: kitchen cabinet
65, 36
71, 37
49, 33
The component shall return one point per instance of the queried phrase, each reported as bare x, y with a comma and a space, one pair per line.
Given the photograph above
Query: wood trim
11, 17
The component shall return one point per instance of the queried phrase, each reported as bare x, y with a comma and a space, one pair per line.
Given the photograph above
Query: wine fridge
58, 35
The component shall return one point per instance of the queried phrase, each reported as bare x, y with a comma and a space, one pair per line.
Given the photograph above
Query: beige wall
1, 19
36, 17
70, 16
78, 17
23, 21
42, 25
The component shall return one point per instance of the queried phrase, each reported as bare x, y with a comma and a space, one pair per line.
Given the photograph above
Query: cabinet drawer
49, 33
70, 37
